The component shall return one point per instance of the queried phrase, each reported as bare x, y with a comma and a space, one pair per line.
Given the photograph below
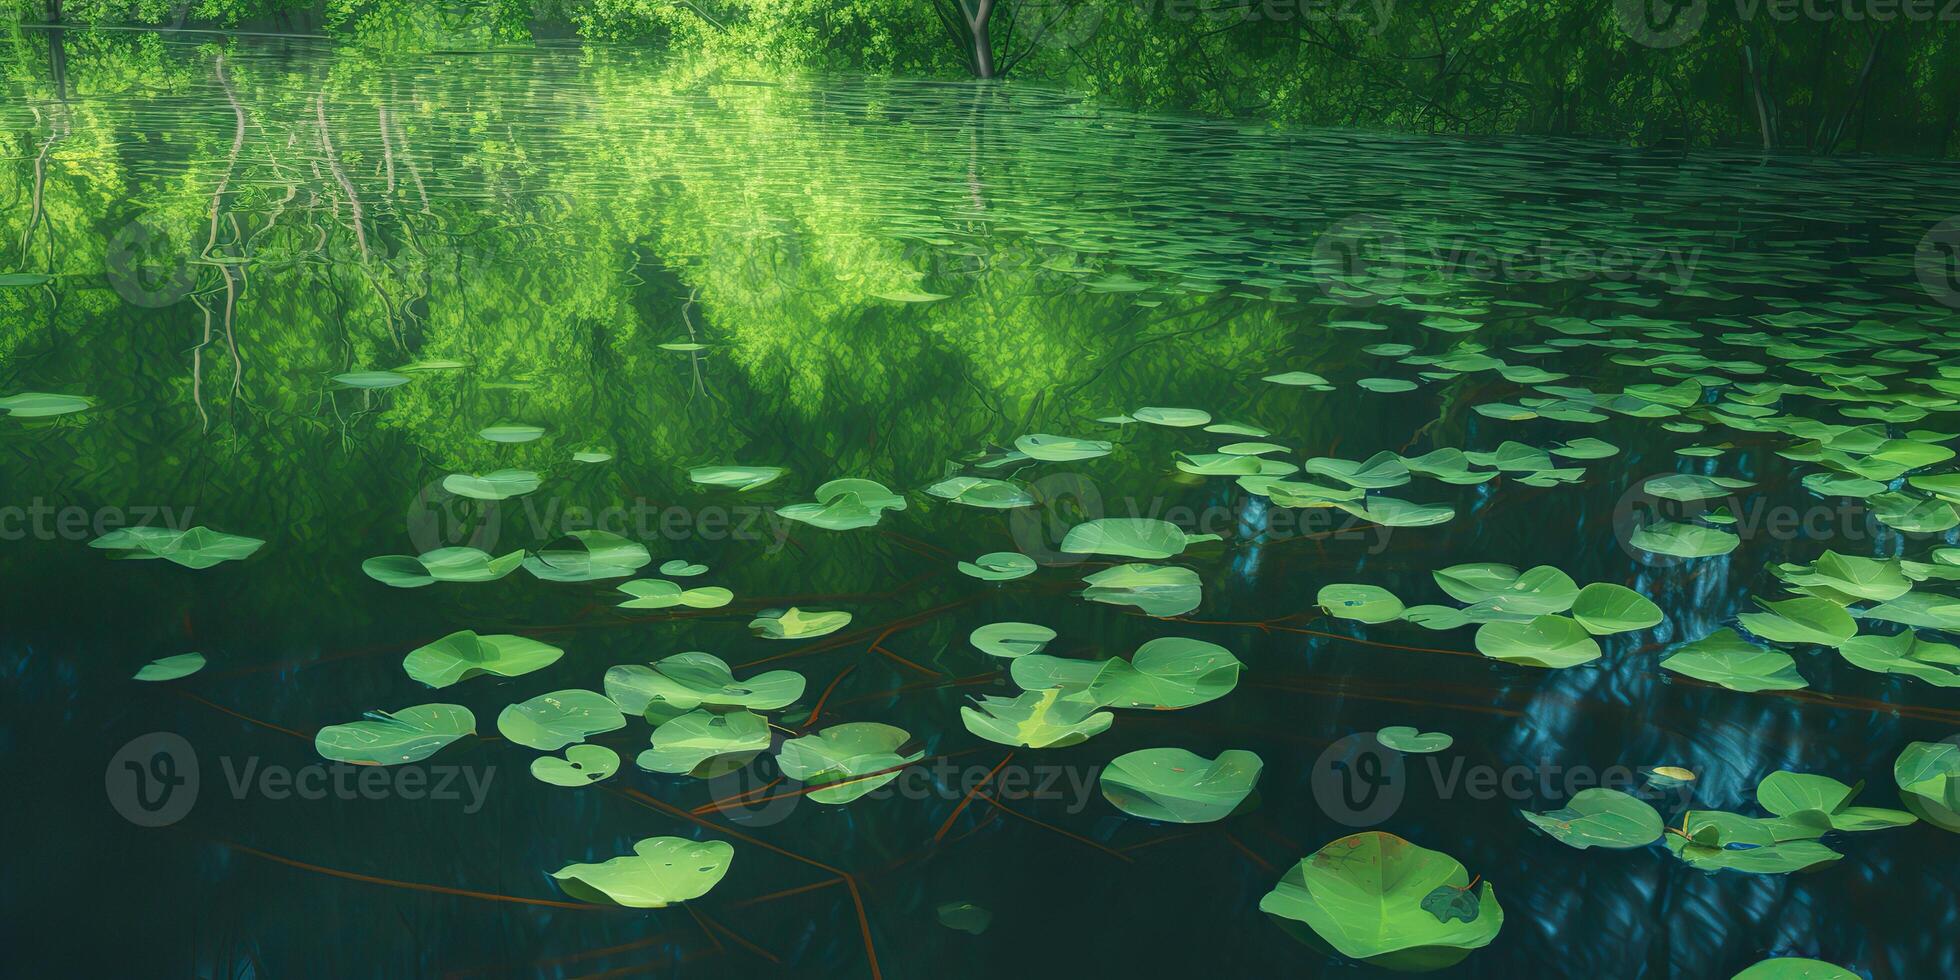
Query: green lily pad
199, 547
1905, 653
1600, 817
859, 756
1928, 776
742, 478
657, 593
512, 432
1786, 794
686, 681
1130, 537
1178, 786
965, 917
796, 624
844, 505
692, 741
1545, 641
1679, 540
1368, 897
1403, 738
592, 456
391, 738
463, 654
495, 485
1166, 673
1010, 640
550, 722
1603, 608
582, 765
1361, 603
975, 491
681, 568
1158, 590
370, 380
456, 564
588, 556
1724, 657
659, 872
1174, 417
1795, 968
41, 404
1805, 620
998, 566
1061, 449
171, 668
1035, 719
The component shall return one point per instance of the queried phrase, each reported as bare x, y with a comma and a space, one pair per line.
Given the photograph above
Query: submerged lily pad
1179, 786
743, 478
965, 917
1600, 817
1369, 897
386, 738
858, 756
463, 654
659, 872
552, 721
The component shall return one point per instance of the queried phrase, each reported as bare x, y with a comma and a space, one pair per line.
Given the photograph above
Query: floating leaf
1361, 603
1403, 738
1010, 640
1805, 620
370, 379
1603, 608
1169, 672
1061, 449
965, 917
456, 564
1130, 537
1173, 417
1928, 776
1787, 794
463, 654
1546, 641
1368, 896
1036, 719
1724, 657
392, 738
582, 765
41, 404
1601, 817
1905, 653
690, 680
998, 566
742, 478
974, 491
1683, 540
171, 668
655, 593
692, 741
859, 756
659, 872
588, 556
1158, 590
795, 624
552, 721
199, 547
495, 485
1795, 968
1178, 786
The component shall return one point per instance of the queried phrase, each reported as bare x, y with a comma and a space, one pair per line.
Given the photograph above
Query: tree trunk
983, 39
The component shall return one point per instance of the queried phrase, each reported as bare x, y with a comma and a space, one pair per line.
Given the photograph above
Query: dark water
229, 228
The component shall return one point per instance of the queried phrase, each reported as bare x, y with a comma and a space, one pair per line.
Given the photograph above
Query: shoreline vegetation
1786, 76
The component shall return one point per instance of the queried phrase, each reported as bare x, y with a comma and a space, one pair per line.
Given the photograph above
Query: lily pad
1724, 657
1600, 817
1805, 620
1368, 897
1010, 640
463, 654
512, 432
998, 566
686, 681
1604, 608
659, 872
742, 478
1178, 786
494, 485
975, 491
657, 593
858, 756
1061, 449
391, 738
588, 556
796, 624
844, 505
171, 668
456, 564
1545, 641
1361, 603
199, 547
1158, 590
41, 404
550, 722
582, 765
1928, 776
1173, 417
1678, 540
687, 743
1035, 719
1403, 738
1130, 537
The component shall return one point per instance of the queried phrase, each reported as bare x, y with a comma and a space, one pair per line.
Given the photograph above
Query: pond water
895, 281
